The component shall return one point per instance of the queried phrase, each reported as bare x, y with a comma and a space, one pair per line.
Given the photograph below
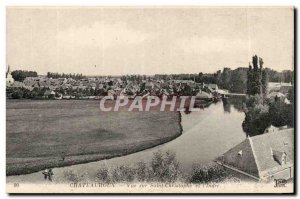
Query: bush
72, 177
123, 174
103, 175
257, 115
20, 75
142, 172
214, 173
164, 168
17, 94
261, 113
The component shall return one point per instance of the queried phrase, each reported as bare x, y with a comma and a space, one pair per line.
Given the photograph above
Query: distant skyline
136, 40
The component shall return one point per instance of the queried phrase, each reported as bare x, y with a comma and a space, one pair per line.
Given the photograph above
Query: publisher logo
280, 182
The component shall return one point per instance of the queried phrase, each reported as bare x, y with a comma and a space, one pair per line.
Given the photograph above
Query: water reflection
236, 102
226, 107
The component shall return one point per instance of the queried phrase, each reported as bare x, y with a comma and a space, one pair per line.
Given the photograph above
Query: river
207, 134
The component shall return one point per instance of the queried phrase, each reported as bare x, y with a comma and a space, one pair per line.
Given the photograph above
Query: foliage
284, 76
70, 176
142, 172
23, 93
256, 121
20, 75
281, 114
256, 77
291, 95
164, 168
261, 113
102, 175
63, 75
213, 173
238, 81
123, 174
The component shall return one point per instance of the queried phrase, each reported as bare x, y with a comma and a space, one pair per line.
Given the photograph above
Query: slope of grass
44, 134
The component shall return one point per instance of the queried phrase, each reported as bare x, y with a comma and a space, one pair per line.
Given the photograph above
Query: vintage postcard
150, 100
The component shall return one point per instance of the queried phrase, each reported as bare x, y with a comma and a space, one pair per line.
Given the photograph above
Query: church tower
9, 78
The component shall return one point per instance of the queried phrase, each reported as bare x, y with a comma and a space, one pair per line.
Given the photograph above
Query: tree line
235, 80
20, 75
63, 75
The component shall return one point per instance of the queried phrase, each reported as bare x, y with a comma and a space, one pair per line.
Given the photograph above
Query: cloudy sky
116, 41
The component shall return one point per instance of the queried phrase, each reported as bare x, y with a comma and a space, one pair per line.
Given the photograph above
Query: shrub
72, 177
103, 175
123, 174
164, 168
209, 174
17, 94
142, 172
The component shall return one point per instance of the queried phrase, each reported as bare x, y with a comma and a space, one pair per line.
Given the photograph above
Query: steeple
8, 71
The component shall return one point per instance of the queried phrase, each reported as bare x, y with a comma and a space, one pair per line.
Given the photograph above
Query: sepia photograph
150, 99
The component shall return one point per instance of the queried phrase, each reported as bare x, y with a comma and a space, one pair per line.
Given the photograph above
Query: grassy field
45, 134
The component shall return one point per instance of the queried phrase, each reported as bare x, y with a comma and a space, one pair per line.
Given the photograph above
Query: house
272, 129
275, 94
59, 96
285, 89
203, 95
17, 84
222, 91
264, 157
49, 93
275, 86
213, 87
278, 95
66, 97
149, 85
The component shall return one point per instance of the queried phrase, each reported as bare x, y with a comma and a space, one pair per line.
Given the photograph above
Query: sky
147, 40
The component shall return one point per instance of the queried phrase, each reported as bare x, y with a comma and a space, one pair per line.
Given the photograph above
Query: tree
257, 115
186, 91
20, 75
260, 112
226, 78
290, 95
238, 81
256, 77
17, 94
63, 75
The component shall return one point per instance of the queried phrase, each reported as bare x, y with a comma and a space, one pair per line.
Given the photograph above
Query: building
272, 129
211, 87
264, 157
9, 78
278, 95
276, 86
285, 89
203, 95
49, 94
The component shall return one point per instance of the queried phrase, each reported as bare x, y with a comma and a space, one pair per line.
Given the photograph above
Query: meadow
44, 134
